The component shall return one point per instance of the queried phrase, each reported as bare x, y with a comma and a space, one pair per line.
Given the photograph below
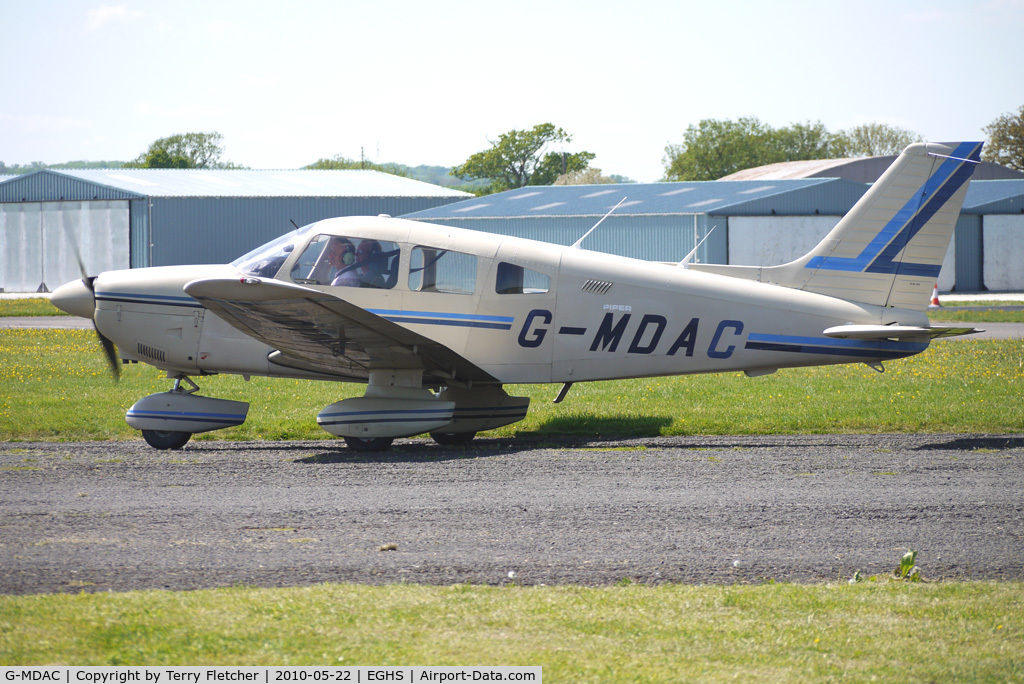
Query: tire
166, 439
453, 438
375, 444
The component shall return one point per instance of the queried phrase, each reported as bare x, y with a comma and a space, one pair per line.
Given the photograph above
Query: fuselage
524, 311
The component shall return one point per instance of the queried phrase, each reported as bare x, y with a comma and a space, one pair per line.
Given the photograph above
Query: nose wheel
168, 420
364, 444
453, 438
166, 439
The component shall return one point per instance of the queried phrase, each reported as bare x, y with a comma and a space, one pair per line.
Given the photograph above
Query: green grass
981, 302
889, 631
33, 306
961, 314
54, 386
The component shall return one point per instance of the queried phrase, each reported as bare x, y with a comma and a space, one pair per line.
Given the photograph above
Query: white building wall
1003, 252
947, 274
774, 240
38, 239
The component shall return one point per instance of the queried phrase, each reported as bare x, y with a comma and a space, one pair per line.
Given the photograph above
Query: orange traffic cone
935, 298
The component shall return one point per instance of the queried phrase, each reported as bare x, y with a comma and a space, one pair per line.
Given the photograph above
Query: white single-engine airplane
435, 320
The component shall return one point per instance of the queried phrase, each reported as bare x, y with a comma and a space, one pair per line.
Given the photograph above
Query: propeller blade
72, 243
110, 352
90, 282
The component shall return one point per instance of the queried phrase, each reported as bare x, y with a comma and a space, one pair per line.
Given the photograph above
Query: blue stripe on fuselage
138, 298
448, 319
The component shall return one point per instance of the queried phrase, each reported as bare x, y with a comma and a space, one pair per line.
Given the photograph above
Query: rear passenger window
514, 279
441, 270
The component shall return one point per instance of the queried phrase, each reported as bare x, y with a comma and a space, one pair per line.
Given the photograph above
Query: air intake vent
150, 352
597, 286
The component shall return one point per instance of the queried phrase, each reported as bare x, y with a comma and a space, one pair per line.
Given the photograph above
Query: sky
413, 82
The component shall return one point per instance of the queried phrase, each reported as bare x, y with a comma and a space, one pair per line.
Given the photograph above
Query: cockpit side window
348, 262
441, 270
513, 279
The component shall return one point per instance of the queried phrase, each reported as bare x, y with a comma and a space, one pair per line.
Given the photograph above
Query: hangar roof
995, 197
237, 183
808, 196
814, 168
859, 169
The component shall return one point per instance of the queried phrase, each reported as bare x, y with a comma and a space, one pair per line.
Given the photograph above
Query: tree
714, 148
803, 141
557, 164
17, 169
1005, 144
38, 166
872, 140
183, 151
341, 162
160, 158
588, 176
517, 159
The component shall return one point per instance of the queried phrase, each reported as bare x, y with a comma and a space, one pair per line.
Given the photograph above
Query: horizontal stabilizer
888, 332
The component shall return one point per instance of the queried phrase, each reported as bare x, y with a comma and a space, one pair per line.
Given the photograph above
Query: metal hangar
123, 218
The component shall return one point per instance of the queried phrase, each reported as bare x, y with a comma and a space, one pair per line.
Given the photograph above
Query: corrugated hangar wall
166, 232
44, 214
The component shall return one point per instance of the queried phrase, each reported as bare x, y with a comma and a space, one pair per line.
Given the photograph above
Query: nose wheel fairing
165, 416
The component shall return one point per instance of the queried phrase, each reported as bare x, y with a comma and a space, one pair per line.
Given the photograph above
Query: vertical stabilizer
888, 249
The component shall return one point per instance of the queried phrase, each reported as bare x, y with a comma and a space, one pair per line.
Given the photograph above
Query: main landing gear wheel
453, 438
374, 444
166, 439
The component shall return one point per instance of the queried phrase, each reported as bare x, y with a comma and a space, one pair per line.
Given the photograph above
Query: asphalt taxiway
120, 516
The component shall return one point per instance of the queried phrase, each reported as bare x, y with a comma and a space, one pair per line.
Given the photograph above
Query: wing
314, 330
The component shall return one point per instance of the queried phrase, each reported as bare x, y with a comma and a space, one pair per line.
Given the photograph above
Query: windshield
265, 261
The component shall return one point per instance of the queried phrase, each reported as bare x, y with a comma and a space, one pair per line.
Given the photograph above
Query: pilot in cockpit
341, 256
370, 260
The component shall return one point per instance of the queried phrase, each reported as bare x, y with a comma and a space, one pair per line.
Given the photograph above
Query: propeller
90, 283
108, 346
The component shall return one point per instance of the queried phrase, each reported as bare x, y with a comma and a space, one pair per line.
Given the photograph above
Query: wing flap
327, 332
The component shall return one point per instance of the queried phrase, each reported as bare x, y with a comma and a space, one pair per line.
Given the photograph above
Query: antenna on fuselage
576, 245
693, 252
